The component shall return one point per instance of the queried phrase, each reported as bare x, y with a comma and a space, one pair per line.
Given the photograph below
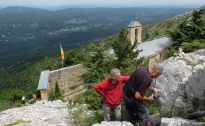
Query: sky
101, 3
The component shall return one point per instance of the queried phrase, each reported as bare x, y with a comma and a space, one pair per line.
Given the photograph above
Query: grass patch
17, 122
82, 116
80, 120
152, 108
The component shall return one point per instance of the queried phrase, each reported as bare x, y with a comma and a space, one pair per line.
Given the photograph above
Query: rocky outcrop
42, 113
47, 113
183, 82
113, 123
164, 122
179, 122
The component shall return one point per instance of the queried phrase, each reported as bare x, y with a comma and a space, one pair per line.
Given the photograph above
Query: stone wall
155, 58
69, 79
44, 94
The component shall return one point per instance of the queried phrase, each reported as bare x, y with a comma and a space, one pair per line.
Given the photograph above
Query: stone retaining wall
69, 80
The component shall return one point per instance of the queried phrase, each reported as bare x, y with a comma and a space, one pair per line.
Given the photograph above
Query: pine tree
99, 65
197, 17
190, 35
123, 50
57, 90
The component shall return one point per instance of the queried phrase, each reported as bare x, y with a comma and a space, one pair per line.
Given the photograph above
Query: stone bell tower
135, 32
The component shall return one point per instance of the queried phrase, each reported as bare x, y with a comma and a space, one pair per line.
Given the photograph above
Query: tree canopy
190, 35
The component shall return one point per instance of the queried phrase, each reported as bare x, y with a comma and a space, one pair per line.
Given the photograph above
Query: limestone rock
182, 81
179, 122
42, 113
113, 123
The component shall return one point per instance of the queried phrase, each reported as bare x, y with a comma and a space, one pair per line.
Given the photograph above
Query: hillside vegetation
161, 28
22, 79
29, 33
190, 34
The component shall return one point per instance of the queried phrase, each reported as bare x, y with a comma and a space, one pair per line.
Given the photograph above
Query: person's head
155, 70
115, 75
34, 97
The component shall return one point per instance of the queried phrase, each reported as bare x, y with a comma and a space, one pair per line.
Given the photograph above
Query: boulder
113, 123
180, 122
183, 83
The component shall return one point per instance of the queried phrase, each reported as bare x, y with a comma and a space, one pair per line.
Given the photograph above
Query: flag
62, 53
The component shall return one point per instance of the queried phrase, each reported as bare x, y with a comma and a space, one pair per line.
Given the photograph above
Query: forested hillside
187, 30
22, 79
29, 33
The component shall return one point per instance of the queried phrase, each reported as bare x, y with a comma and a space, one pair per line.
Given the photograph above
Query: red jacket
112, 94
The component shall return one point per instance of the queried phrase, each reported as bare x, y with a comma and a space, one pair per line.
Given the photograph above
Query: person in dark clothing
134, 93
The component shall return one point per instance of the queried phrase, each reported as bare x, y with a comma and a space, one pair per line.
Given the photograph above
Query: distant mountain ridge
19, 9
203, 6
28, 33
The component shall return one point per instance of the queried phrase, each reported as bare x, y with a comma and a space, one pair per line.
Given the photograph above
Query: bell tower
135, 32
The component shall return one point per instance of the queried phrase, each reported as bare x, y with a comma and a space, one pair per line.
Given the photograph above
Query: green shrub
79, 113
97, 118
193, 46
90, 97
190, 34
17, 95
75, 57
99, 65
5, 105
125, 56
152, 108
56, 93
169, 53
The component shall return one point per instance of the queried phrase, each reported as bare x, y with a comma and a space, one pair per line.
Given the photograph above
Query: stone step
77, 89
69, 87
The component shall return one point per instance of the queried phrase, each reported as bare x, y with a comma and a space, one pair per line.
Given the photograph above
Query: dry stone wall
69, 79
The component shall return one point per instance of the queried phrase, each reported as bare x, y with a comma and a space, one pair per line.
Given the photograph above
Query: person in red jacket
111, 91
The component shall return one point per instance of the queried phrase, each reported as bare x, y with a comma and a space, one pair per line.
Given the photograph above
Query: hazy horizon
46, 4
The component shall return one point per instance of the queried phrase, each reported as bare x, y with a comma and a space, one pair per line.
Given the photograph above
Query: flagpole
62, 63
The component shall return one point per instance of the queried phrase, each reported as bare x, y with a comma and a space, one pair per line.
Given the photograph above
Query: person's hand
151, 98
156, 90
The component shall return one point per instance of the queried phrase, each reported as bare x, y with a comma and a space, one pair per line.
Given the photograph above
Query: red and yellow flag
62, 53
